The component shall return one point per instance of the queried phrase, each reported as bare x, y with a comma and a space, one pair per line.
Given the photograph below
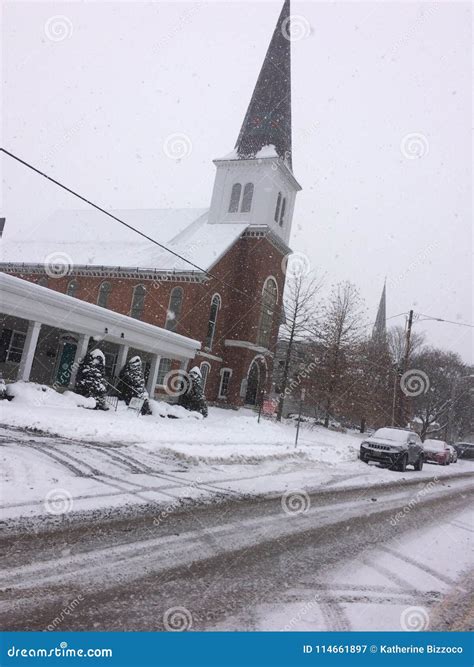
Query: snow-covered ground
406, 584
93, 459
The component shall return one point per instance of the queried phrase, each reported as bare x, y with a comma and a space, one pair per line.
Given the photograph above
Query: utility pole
404, 368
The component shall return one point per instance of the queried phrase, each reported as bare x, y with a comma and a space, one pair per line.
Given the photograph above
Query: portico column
29, 349
151, 384
121, 358
184, 364
81, 349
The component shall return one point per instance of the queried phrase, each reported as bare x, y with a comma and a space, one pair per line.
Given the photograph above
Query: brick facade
238, 278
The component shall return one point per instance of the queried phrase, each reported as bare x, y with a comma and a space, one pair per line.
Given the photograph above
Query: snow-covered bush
90, 380
193, 398
132, 383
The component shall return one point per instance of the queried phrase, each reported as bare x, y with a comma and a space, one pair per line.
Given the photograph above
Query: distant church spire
268, 117
379, 332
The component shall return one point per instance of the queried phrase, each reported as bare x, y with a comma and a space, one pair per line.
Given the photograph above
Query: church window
282, 211
269, 300
277, 208
247, 198
205, 368
174, 309
211, 327
235, 198
138, 302
104, 293
163, 369
72, 288
225, 380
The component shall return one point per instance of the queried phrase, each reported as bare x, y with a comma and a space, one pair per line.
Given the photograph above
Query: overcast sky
381, 128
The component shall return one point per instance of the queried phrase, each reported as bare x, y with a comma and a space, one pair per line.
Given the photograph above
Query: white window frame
221, 383
162, 382
219, 306
204, 379
11, 347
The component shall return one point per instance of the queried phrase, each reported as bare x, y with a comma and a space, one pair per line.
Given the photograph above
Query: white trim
206, 355
248, 346
221, 373
205, 363
271, 277
28, 301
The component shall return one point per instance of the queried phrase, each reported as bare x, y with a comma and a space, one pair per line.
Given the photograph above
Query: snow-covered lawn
95, 459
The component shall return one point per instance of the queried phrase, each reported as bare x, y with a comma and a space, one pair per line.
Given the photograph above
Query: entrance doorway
67, 353
255, 383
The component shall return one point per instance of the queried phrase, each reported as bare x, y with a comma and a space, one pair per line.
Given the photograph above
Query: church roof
379, 332
268, 118
89, 238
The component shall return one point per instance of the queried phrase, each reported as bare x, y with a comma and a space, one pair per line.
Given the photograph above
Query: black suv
395, 447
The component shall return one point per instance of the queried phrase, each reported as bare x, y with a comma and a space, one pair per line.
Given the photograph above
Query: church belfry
255, 184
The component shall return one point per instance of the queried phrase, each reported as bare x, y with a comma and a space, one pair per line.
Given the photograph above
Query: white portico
46, 333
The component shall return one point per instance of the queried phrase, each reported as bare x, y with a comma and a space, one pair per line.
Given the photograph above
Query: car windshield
437, 445
391, 434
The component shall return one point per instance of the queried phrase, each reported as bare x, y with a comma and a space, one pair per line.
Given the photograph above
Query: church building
222, 283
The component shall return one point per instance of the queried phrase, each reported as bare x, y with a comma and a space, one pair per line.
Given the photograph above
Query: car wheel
402, 463
419, 464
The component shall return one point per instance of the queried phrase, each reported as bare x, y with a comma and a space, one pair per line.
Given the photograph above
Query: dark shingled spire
268, 118
379, 332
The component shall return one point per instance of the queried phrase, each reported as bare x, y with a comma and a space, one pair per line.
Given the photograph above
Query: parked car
395, 447
453, 454
465, 450
437, 451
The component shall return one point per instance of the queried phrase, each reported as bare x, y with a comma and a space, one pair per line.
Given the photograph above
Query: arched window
235, 198
174, 309
267, 312
104, 293
282, 212
247, 198
211, 326
72, 288
138, 302
205, 368
277, 208
43, 282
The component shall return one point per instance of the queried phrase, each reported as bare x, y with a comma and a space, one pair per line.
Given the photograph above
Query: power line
131, 227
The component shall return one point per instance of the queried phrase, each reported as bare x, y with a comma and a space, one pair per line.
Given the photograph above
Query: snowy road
342, 559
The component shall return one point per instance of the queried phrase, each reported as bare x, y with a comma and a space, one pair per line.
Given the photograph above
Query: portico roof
29, 301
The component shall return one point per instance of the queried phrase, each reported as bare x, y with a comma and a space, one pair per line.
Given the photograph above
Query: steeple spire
379, 332
268, 117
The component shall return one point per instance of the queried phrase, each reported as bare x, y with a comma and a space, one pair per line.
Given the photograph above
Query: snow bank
36, 395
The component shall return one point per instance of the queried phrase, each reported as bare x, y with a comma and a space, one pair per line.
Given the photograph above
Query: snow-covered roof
90, 238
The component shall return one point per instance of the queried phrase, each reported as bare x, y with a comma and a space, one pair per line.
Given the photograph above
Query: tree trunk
285, 373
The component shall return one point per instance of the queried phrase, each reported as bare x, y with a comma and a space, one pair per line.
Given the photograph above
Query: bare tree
430, 385
397, 343
341, 329
299, 317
